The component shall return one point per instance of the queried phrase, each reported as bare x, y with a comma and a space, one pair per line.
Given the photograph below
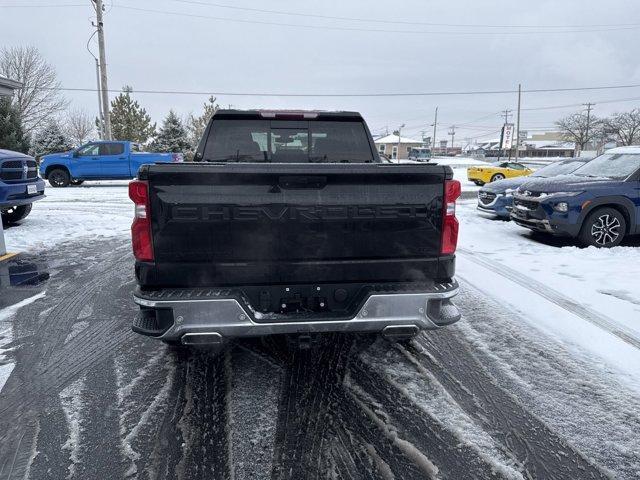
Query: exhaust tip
212, 338
400, 332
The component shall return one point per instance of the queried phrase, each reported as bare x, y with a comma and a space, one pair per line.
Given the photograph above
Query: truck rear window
282, 141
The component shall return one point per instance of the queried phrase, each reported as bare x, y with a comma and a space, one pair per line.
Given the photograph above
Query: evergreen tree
12, 136
129, 121
196, 125
172, 136
51, 139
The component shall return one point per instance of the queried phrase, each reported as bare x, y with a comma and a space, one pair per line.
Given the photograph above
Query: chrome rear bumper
201, 315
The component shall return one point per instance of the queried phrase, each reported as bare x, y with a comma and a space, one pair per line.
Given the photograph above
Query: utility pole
398, 146
100, 110
507, 114
586, 135
452, 132
103, 71
435, 125
99, 89
518, 123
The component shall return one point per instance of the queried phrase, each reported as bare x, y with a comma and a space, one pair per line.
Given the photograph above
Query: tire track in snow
34, 378
602, 321
540, 452
421, 437
311, 379
253, 406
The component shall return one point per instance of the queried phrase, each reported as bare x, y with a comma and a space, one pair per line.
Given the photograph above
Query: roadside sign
523, 135
507, 136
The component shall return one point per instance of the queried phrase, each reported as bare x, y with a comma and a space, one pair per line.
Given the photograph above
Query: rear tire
603, 228
59, 178
497, 176
15, 214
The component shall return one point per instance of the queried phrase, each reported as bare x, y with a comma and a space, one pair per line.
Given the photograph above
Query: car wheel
497, 176
59, 178
77, 182
604, 228
15, 214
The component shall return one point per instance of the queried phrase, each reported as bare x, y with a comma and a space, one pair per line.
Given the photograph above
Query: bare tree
625, 127
38, 99
79, 126
574, 128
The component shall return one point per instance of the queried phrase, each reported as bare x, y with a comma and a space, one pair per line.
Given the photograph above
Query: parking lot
530, 384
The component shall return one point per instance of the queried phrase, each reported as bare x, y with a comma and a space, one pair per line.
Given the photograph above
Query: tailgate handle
297, 182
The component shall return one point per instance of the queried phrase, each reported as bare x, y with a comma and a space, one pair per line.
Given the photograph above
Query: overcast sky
160, 51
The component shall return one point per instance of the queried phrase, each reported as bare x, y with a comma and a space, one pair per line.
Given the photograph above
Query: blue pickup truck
107, 160
20, 185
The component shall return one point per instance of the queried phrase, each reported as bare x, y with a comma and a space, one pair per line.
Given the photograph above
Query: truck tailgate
241, 224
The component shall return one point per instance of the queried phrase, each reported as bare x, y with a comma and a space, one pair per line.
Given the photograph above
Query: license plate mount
32, 189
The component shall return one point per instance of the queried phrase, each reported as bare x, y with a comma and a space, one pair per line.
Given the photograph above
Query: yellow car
496, 171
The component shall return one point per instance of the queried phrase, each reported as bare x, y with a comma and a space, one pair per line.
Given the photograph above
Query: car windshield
558, 168
611, 165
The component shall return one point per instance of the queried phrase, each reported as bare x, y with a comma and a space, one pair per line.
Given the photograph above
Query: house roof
7, 82
549, 144
394, 140
7, 86
634, 149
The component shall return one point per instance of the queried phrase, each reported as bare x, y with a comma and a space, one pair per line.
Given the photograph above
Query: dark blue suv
20, 185
495, 198
598, 204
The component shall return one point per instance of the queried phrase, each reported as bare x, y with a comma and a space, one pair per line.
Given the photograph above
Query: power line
48, 5
586, 28
357, 29
395, 22
357, 95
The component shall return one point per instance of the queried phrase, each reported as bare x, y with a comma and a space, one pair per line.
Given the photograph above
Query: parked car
599, 204
496, 198
496, 171
106, 160
289, 224
20, 185
420, 154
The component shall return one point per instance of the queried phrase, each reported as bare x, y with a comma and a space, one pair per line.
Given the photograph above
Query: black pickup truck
289, 223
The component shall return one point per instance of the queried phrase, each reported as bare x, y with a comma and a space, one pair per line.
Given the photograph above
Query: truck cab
100, 160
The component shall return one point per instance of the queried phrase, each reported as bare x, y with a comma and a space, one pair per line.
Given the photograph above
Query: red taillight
452, 191
141, 227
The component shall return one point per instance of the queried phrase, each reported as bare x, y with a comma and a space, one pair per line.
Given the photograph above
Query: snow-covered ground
95, 209
588, 297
